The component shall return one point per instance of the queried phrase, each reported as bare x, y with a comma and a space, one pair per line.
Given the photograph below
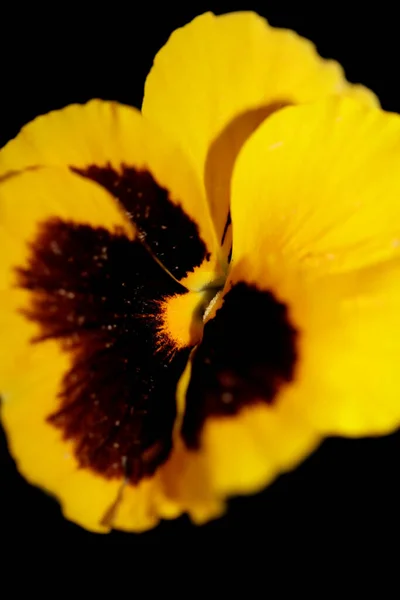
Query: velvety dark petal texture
248, 351
99, 293
165, 228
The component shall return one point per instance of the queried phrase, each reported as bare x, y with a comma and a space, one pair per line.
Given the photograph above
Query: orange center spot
182, 318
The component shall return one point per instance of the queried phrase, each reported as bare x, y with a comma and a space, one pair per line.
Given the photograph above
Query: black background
344, 499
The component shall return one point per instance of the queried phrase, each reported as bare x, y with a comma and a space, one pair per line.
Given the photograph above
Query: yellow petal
30, 374
315, 216
91, 351
319, 185
219, 77
358, 353
304, 339
148, 175
347, 346
238, 429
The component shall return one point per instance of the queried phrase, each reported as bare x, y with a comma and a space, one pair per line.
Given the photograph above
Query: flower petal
321, 187
359, 355
149, 177
320, 230
300, 345
92, 350
219, 77
238, 430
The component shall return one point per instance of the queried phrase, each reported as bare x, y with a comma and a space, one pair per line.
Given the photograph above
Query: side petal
316, 218
358, 353
149, 177
319, 186
219, 77
285, 360
91, 350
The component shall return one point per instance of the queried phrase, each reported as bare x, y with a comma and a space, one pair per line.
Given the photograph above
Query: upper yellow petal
107, 136
319, 186
218, 77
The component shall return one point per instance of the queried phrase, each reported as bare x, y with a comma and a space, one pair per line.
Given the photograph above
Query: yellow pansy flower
194, 295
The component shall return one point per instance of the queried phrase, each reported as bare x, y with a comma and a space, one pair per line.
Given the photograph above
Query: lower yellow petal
239, 429
41, 455
244, 453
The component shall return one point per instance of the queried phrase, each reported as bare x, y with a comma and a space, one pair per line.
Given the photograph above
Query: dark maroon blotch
247, 353
165, 228
97, 293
